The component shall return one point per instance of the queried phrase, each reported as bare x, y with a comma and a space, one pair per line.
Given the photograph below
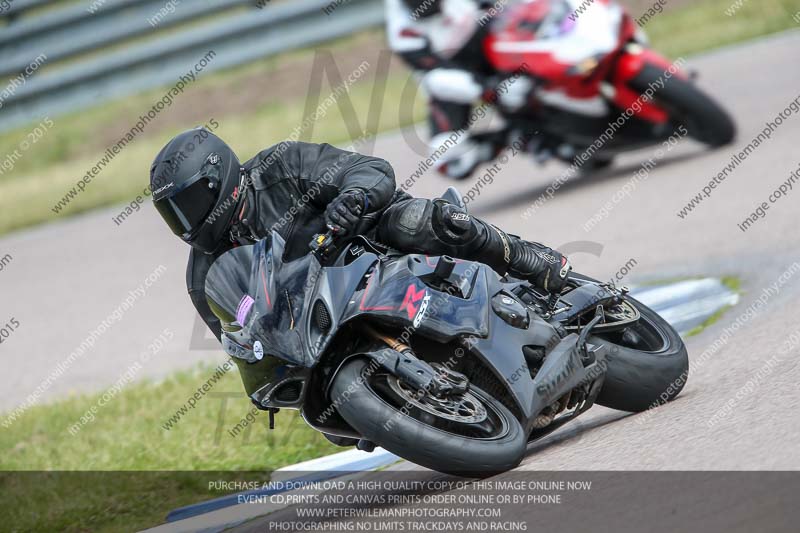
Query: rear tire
703, 117
366, 411
637, 380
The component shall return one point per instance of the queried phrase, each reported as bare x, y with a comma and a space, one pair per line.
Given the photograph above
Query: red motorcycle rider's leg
456, 153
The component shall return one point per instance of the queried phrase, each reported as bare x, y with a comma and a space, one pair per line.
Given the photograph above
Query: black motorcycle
440, 361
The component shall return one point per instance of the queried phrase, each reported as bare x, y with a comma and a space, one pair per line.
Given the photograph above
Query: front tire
365, 406
702, 116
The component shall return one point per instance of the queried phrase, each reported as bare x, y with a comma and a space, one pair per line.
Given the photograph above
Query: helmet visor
187, 208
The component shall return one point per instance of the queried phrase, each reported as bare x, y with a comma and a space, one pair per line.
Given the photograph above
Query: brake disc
464, 408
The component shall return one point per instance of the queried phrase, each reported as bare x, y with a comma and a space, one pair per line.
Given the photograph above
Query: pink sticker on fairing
244, 308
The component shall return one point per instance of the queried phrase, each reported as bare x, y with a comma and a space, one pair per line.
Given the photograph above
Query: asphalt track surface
66, 277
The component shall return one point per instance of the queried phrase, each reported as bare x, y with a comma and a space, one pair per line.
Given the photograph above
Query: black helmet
194, 180
423, 8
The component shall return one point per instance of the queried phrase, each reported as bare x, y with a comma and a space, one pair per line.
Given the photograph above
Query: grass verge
705, 25
128, 435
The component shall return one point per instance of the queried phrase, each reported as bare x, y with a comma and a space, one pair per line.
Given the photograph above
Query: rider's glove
556, 276
344, 213
544, 267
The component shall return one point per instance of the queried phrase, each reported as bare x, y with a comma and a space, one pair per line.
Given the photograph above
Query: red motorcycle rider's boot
461, 157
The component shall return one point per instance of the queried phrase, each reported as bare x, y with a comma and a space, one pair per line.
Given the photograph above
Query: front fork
399, 359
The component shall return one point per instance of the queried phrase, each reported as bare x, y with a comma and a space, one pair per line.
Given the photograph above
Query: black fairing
402, 291
227, 283
266, 305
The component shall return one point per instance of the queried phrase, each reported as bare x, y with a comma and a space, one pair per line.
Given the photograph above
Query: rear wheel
702, 116
471, 434
648, 364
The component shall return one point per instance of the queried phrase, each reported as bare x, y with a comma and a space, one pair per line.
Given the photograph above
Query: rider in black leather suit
215, 203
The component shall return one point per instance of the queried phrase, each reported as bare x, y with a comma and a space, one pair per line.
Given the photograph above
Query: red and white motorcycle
597, 84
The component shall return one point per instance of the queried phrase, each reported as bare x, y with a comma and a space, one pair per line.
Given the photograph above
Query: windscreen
558, 21
542, 19
254, 291
228, 287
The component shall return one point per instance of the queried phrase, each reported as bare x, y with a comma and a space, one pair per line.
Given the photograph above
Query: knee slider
406, 226
411, 217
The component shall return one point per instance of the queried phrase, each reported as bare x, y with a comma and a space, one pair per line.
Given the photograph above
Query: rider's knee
427, 226
406, 225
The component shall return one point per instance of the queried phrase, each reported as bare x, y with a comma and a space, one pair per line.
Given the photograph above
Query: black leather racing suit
288, 186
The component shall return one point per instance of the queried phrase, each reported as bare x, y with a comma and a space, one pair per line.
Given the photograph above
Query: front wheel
686, 104
469, 435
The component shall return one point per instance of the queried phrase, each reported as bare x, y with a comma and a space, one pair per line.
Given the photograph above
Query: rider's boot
439, 227
542, 266
459, 154
531, 261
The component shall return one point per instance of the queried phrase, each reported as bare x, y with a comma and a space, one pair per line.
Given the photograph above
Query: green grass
127, 435
733, 283
704, 25
46, 172
42, 176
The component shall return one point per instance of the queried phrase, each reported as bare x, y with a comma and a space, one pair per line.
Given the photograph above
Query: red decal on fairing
363, 306
264, 284
411, 302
